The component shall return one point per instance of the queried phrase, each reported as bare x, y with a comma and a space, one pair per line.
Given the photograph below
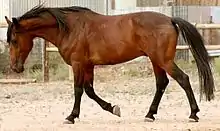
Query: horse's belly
112, 58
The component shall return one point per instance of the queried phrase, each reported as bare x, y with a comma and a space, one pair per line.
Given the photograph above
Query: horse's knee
162, 83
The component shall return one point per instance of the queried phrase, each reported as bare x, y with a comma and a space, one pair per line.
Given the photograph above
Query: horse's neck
49, 34
45, 29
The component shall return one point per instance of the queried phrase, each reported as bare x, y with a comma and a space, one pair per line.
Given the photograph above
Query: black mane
57, 12
37, 10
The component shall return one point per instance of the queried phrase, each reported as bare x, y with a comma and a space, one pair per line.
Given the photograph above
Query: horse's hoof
147, 119
193, 118
68, 122
116, 110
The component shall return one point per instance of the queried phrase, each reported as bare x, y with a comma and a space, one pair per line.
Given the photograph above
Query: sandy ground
43, 107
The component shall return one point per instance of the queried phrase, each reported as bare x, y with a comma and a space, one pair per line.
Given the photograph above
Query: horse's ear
7, 20
15, 22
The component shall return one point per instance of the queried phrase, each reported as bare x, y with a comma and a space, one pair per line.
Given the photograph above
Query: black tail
200, 54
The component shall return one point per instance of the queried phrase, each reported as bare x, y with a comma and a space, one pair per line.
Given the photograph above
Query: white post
70, 73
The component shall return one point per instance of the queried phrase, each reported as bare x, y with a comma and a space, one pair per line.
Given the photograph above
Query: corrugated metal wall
4, 10
57, 3
96, 5
18, 7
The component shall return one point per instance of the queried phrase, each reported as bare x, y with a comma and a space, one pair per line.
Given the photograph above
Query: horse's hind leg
161, 84
183, 79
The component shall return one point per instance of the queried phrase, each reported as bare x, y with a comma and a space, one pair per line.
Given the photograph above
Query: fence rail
178, 47
3, 25
206, 26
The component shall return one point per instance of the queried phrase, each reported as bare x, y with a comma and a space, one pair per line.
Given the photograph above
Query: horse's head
20, 44
48, 23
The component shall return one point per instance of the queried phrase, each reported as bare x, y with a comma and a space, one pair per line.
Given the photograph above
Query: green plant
58, 69
59, 73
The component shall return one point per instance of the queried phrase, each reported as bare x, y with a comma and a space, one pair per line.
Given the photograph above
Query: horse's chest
66, 57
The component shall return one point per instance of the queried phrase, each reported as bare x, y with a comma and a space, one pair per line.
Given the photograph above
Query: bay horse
86, 38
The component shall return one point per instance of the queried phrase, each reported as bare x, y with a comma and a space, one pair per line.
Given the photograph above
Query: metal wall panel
18, 7
96, 5
57, 3
4, 10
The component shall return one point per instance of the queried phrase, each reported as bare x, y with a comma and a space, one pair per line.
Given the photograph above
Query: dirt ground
43, 107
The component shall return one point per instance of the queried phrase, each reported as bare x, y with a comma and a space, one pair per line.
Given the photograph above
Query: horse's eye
13, 41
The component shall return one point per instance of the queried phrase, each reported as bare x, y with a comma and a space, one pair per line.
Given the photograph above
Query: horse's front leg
88, 86
83, 78
78, 91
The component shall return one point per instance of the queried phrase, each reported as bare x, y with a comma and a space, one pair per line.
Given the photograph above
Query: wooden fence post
46, 62
70, 74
